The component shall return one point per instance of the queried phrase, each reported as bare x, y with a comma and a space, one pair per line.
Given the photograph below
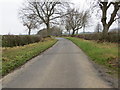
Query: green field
102, 53
17, 56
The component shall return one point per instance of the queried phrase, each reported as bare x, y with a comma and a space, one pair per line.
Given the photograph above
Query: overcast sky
9, 17
9, 21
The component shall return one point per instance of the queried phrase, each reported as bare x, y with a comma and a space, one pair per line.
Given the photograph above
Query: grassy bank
16, 56
102, 53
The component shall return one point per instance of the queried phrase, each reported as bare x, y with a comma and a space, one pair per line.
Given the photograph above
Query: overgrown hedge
112, 37
19, 40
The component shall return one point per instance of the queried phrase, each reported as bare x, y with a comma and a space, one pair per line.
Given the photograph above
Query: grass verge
102, 53
17, 56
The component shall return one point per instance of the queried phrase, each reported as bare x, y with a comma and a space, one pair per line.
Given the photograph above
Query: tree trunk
98, 30
29, 31
73, 32
69, 32
48, 26
105, 32
83, 29
48, 29
77, 32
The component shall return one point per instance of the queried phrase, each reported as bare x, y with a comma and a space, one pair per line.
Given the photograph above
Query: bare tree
98, 28
101, 7
29, 21
85, 19
73, 20
104, 7
46, 11
67, 27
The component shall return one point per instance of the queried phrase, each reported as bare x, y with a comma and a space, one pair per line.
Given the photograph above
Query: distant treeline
112, 37
19, 40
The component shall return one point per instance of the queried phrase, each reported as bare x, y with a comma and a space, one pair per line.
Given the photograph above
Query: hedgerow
19, 40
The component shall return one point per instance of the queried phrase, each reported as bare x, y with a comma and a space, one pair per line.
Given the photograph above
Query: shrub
112, 37
19, 40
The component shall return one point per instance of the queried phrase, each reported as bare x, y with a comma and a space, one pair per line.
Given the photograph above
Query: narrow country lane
62, 66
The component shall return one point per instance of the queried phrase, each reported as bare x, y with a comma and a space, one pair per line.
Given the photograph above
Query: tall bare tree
73, 20
46, 11
104, 7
